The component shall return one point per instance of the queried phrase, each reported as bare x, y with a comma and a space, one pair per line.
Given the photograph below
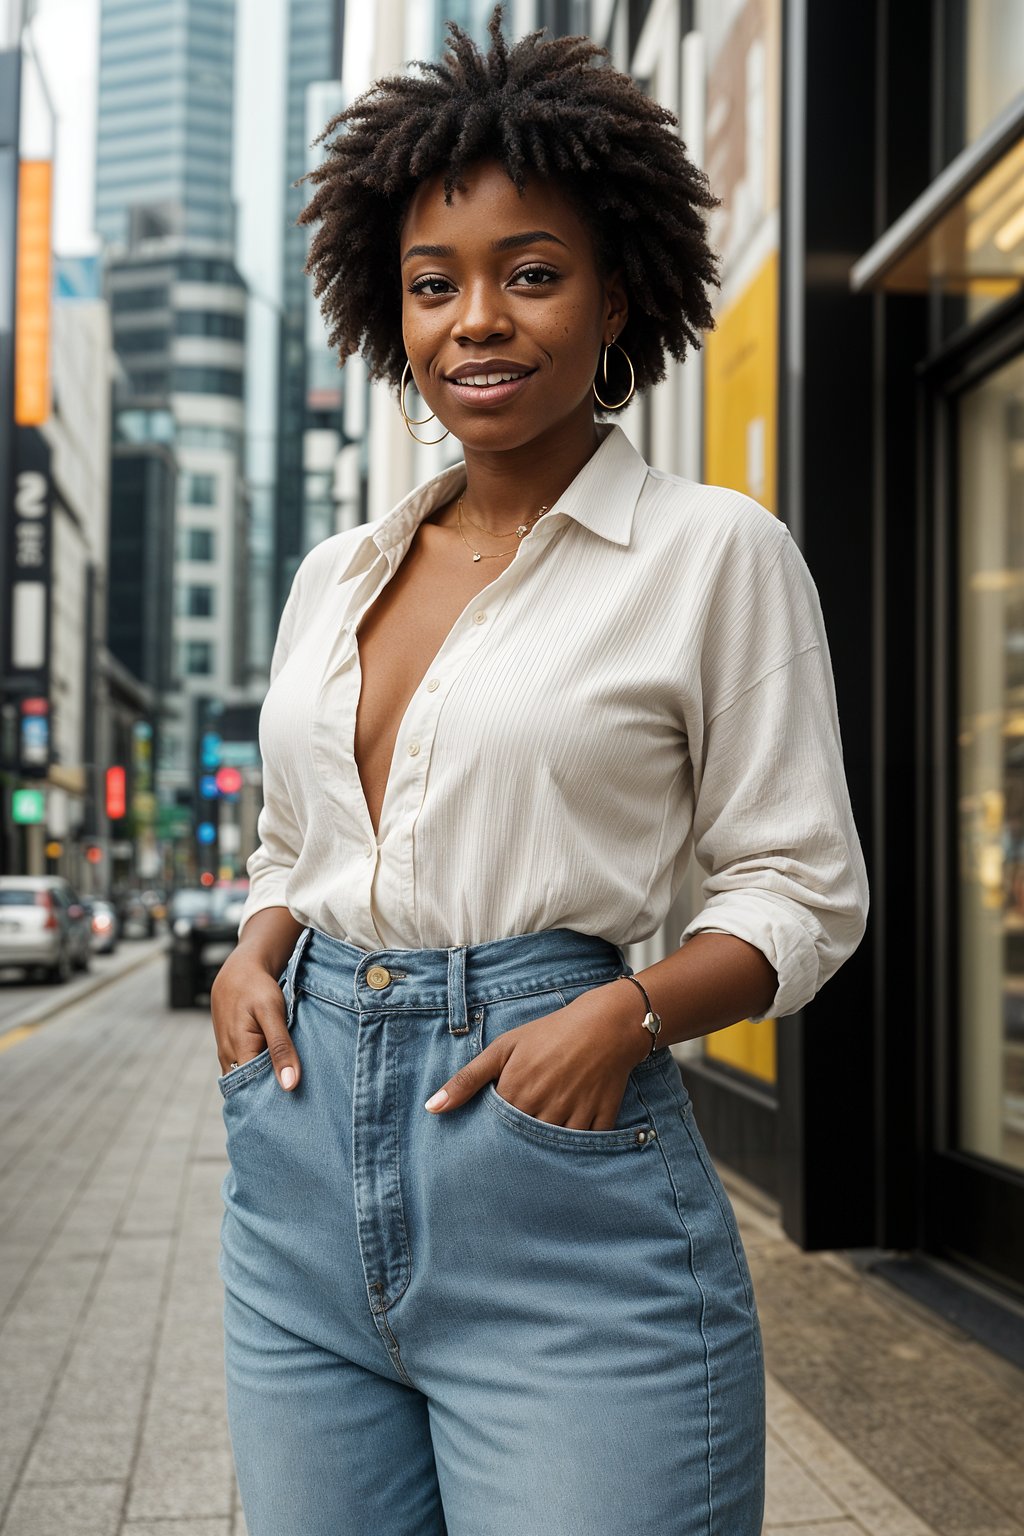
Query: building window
138, 426
148, 381
203, 322
198, 490
197, 544
196, 435
197, 656
209, 381
142, 341
201, 269
197, 602
129, 300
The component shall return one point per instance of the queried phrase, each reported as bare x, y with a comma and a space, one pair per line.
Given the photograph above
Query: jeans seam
703, 1309
401, 1204
727, 1221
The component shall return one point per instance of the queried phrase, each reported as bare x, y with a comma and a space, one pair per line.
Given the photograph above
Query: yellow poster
741, 353
32, 301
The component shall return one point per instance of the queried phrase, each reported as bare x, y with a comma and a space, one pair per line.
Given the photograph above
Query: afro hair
551, 107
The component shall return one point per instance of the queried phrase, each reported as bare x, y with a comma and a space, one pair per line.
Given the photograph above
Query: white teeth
488, 378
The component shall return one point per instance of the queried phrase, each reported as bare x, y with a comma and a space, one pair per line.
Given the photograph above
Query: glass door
990, 768
973, 775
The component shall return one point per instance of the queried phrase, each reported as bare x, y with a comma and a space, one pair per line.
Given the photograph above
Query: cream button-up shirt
646, 681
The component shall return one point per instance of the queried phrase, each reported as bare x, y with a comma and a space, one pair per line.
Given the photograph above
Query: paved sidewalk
883, 1420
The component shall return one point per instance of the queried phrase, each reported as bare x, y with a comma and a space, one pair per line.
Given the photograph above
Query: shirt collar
602, 497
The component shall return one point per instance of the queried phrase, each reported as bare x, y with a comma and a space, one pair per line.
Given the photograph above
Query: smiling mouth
489, 380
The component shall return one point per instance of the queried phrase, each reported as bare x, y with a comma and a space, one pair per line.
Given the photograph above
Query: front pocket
633, 1131
237, 1077
633, 1136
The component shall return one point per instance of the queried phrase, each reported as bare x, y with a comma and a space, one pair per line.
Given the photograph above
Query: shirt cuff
771, 925
268, 890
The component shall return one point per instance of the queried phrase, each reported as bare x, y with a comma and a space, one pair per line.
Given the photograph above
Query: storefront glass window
992, 60
990, 731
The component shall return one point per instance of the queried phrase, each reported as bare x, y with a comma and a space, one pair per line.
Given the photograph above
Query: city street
883, 1419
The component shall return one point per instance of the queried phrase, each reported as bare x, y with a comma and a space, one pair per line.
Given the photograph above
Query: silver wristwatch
651, 1020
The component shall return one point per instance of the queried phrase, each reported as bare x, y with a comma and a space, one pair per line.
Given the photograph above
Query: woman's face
502, 283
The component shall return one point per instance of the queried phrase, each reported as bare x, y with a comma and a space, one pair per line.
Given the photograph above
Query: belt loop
288, 979
458, 1020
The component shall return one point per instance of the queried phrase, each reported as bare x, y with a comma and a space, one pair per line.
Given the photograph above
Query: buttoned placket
407, 778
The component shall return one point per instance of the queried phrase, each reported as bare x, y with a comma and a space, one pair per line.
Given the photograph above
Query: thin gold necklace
519, 531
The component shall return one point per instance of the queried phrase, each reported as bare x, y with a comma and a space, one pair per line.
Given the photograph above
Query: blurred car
44, 925
156, 901
138, 920
106, 926
204, 930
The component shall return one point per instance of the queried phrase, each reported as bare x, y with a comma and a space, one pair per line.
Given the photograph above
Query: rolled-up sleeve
773, 826
280, 839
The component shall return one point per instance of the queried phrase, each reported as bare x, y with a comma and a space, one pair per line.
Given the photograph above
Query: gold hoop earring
418, 420
632, 378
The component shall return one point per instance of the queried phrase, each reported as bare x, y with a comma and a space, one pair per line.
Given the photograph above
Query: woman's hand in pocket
568, 1068
248, 1009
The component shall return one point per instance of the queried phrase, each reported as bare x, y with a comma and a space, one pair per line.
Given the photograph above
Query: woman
481, 1275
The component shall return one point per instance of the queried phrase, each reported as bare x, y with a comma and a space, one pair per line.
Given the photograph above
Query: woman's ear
616, 303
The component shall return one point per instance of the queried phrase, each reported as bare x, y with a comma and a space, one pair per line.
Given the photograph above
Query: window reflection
991, 767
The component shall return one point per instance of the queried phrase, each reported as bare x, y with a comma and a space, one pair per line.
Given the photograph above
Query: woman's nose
481, 313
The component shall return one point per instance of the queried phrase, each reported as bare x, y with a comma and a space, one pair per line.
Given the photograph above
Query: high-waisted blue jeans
477, 1323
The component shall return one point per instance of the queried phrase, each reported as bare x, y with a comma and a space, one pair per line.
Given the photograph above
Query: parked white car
44, 925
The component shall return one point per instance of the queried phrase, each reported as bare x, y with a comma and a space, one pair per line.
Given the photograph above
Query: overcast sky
67, 35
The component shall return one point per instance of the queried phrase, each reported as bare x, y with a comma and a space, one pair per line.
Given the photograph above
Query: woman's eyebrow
506, 243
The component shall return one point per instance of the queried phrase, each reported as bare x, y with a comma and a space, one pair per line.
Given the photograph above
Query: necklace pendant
476, 554
521, 530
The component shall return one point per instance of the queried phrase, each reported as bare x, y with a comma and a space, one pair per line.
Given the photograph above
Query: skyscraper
314, 56
164, 129
163, 206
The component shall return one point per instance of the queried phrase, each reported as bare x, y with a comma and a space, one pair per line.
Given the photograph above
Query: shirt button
479, 616
433, 685
413, 748
368, 850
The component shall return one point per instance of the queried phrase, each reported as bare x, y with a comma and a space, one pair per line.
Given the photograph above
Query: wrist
627, 1010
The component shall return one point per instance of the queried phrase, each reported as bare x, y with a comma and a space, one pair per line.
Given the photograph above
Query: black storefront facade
895, 1121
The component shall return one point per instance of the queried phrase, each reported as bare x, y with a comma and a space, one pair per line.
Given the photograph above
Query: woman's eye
542, 272
420, 285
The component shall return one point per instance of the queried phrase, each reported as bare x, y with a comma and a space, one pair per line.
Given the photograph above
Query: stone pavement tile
850, 1483
867, 1371
45, 1318
178, 1527
832, 1528
792, 1494
69, 1509
91, 1428
184, 1467
33, 1344
192, 1484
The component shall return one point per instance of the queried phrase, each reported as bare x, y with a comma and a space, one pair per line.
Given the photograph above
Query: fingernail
437, 1099
287, 1077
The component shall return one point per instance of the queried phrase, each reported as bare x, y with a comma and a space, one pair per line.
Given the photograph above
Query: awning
965, 233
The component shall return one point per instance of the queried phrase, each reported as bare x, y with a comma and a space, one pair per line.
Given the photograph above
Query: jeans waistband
454, 978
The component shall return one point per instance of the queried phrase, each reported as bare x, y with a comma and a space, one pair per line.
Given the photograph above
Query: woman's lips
488, 394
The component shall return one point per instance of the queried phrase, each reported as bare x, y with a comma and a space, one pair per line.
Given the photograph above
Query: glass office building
164, 129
